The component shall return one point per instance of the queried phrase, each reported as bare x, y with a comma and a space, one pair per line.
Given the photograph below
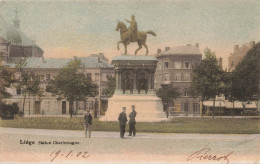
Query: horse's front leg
125, 48
118, 44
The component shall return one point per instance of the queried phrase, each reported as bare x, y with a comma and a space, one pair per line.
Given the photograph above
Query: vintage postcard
118, 81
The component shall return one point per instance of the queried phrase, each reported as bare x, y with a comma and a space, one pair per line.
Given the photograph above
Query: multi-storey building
15, 45
95, 68
174, 68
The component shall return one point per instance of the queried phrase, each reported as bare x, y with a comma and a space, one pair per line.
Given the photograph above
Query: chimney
159, 51
188, 44
197, 45
252, 43
167, 48
236, 47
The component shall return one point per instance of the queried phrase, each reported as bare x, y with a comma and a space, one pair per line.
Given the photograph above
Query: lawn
176, 125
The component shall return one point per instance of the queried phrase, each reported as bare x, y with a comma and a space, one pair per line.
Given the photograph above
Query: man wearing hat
132, 34
122, 122
132, 121
88, 123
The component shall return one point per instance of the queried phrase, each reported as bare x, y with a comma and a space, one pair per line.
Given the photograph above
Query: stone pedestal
148, 107
135, 86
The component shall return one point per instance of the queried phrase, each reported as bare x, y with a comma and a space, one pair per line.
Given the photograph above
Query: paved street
68, 146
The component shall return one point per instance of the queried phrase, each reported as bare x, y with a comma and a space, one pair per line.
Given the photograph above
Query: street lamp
96, 108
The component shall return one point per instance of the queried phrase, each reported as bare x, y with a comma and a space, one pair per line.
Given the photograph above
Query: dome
13, 34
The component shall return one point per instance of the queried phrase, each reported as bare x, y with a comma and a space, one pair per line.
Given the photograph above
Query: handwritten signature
203, 154
58, 153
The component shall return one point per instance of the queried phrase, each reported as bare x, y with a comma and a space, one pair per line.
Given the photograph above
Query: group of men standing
123, 120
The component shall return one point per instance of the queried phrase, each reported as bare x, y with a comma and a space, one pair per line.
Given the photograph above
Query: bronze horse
141, 37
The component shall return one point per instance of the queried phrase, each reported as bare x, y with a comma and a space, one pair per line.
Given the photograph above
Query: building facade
94, 68
238, 54
174, 68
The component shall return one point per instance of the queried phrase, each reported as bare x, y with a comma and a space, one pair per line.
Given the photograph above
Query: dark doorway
37, 107
63, 107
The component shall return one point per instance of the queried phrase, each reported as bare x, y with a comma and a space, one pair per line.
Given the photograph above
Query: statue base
137, 73
149, 107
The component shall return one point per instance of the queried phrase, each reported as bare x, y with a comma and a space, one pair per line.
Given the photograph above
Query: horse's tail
150, 32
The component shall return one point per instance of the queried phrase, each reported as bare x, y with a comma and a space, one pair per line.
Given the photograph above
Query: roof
14, 35
181, 50
56, 63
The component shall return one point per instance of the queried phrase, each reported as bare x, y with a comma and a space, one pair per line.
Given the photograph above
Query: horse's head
120, 26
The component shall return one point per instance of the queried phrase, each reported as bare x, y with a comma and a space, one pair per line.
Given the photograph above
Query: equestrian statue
132, 34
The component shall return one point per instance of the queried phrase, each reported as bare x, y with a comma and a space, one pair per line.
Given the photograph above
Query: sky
80, 28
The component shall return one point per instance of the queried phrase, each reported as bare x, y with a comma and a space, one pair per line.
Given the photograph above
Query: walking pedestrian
88, 123
122, 122
132, 122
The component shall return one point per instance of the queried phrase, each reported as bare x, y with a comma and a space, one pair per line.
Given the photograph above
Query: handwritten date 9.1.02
70, 154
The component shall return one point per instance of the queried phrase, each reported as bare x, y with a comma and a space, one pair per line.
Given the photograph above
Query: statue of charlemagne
131, 34
132, 30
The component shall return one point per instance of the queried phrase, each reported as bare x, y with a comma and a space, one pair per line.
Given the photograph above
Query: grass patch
177, 125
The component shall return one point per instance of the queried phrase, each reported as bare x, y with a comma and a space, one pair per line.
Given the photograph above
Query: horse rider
132, 30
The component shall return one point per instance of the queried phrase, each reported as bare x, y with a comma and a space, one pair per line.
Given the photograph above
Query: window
186, 93
195, 107
166, 77
187, 65
18, 91
96, 76
89, 76
182, 77
166, 64
186, 107
177, 65
178, 77
48, 77
187, 77
48, 104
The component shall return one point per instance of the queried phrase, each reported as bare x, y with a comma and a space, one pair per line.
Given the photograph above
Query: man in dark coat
87, 124
132, 121
122, 122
